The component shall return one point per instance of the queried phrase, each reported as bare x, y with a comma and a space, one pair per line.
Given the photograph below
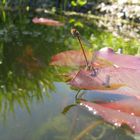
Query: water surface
32, 94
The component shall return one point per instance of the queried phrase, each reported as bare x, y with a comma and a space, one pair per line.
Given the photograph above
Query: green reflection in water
25, 52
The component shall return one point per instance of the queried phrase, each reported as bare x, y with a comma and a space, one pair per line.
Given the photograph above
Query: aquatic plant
119, 76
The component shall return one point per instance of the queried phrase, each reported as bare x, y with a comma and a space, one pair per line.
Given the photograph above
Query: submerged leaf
67, 108
117, 118
30, 61
124, 91
46, 21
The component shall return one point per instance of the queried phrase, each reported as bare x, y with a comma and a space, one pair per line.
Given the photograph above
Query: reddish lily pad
70, 58
131, 106
84, 80
46, 21
121, 90
124, 80
120, 60
127, 76
117, 118
76, 58
106, 57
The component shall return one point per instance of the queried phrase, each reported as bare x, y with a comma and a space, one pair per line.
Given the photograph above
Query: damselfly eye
74, 32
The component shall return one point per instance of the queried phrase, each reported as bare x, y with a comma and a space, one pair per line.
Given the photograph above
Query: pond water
32, 94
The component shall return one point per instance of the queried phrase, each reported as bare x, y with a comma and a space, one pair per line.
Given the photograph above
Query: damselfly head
74, 32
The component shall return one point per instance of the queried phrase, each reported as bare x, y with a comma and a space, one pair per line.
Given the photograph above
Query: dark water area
32, 94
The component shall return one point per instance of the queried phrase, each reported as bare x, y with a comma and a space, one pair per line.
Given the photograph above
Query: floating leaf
120, 60
46, 21
123, 80
76, 58
117, 118
106, 57
70, 58
84, 80
131, 106
121, 75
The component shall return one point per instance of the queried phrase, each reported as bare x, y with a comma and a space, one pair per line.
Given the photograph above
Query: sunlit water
32, 99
